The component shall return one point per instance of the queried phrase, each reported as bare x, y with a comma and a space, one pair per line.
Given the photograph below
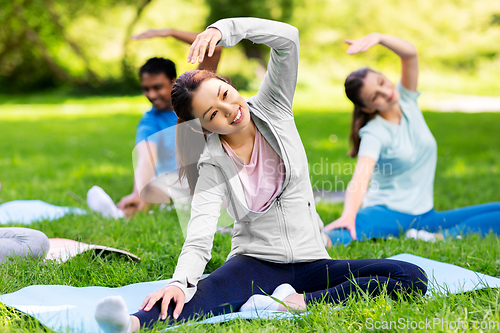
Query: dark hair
187, 136
353, 84
159, 65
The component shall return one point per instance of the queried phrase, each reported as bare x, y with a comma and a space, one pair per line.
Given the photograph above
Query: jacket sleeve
278, 87
207, 201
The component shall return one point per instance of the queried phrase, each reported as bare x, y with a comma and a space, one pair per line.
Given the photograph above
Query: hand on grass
168, 293
153, 33
347, 223
362, 44
207, 39
131, 204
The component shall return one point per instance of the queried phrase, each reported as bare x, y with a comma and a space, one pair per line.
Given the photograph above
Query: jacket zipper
288, 246
283, 227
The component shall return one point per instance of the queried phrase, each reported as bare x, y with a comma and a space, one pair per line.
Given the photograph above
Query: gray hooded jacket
289, 230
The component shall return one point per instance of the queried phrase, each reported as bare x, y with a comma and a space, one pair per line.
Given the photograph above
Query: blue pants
232, 284
380, 222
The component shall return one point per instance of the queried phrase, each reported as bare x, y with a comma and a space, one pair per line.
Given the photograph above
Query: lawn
55, 149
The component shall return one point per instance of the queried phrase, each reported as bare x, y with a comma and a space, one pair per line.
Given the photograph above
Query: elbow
294, 34
411, 57
288, 31
412, 52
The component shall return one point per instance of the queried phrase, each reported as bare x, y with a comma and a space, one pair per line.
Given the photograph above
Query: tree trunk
129, 72
34, 38
57, 22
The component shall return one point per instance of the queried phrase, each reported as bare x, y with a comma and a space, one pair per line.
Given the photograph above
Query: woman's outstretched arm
278, 88
196, 252
185, 36
355, 193
405, 50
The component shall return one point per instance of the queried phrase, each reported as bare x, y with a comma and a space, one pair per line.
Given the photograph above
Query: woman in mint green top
394, 176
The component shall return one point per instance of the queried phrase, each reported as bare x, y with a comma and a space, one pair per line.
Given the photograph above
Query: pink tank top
263, 177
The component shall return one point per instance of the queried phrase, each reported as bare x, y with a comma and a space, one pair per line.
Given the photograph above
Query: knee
339, 236
38, 244
415, 280
235, 268
45, 244
23, 242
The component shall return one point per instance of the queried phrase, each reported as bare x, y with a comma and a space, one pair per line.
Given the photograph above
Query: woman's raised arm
278, 88
405, 50
187, 37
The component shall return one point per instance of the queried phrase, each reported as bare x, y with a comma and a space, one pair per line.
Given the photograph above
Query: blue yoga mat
71, 309
448, 278
28, 211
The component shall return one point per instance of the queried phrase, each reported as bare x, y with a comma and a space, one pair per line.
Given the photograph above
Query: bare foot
293, 302
135, 324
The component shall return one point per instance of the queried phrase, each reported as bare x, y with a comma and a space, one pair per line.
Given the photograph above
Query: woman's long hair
353, 84
187, 135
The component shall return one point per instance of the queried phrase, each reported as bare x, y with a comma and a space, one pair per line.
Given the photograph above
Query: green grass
55, 149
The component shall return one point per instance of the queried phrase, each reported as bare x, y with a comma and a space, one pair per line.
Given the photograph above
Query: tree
36, 50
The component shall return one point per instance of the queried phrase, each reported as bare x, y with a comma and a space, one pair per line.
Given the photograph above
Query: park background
86, 45
70, 103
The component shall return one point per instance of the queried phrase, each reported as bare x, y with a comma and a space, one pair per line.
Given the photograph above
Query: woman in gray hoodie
250, 153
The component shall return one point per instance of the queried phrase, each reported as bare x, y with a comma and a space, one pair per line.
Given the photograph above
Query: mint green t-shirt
405, 155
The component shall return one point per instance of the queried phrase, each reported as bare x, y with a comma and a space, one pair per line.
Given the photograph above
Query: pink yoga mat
64, 249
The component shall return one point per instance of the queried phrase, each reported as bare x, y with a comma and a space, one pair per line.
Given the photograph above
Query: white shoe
100, 202
421, 235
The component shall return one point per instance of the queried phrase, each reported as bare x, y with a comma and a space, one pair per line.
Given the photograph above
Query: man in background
155, 137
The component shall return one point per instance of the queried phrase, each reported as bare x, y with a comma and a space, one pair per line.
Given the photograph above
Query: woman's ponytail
359, 119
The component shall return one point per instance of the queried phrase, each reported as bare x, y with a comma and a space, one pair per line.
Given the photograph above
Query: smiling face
378, 93
157, 88
220, 108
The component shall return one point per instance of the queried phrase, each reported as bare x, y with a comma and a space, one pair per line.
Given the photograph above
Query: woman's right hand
207, 39
363, 44
131, 204
168, 294
345, 222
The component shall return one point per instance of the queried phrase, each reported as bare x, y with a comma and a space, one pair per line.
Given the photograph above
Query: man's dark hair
159, 65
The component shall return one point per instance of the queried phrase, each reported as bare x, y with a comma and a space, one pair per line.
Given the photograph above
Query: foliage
47, 43
279, 10
38, 49
457, 43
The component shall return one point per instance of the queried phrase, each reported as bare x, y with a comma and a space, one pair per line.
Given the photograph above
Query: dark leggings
232, 284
